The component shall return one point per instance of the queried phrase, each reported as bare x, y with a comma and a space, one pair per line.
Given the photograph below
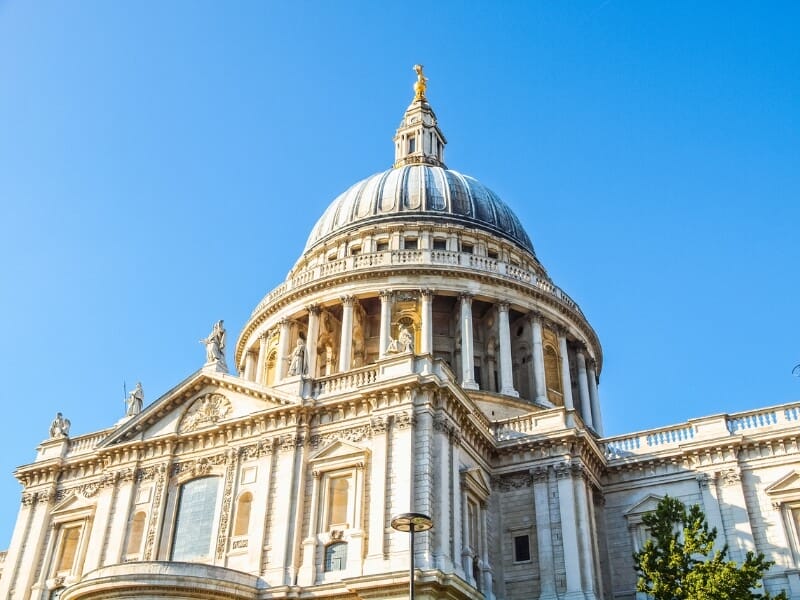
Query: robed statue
135, 401
215, 346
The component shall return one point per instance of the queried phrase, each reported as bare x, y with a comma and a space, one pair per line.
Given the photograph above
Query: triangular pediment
476, 481
786, 487
647, 504
202, 401
72, 507
336, 451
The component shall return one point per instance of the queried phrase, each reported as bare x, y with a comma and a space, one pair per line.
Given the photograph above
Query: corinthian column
594, 398
566, 382
346, 346
261, 361
583, 389
506, 372
538, 359
467, 350
386, 322
283, 350
311, 342
426, 334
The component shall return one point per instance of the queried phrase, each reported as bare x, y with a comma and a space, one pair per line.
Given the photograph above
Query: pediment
202, 401
476, 481
785, 488
338, 451
74, 506
647, 504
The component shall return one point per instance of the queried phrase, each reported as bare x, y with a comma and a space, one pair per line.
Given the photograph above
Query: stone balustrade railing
342, 382
786, 416
416, 257
85, 443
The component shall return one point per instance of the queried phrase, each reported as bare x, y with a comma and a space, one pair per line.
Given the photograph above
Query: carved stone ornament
513, 481
205, 411
731, 477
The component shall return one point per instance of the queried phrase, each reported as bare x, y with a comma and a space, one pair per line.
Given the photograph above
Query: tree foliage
679, 562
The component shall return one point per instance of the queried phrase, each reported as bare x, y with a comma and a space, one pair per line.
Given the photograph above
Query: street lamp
411, 523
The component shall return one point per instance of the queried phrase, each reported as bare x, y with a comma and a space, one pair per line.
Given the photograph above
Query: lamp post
411, 523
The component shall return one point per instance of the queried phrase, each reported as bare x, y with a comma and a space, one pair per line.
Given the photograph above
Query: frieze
731, 477
404, 420
159, 474
205, 411
199, 467
227, 499
262, 448
512, 481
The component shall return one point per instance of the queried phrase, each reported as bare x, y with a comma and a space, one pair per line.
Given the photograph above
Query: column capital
283, 322
535, 316
561, 330
539, 474
348, 300
563, 470
466, 297
581, 350
426, 293
386, 295
503, 306
313, 309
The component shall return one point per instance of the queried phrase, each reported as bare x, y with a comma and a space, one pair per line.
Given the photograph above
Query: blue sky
161, 165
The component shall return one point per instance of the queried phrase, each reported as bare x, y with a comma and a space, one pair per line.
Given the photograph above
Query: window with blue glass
194, 524
336, 556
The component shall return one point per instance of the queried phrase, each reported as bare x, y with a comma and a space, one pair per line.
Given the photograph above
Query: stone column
456, 507
733, 498
485, 565
386, 322
346, 346
569, 532
506, 372
544, 536
311, 341
283, 349
307, 572
594, 398
583, 389
377, 501
442, 480
467, 350
490, 364
538, 360
710, 496
249, 366
566, 382
426, 334
585, 533
261, 361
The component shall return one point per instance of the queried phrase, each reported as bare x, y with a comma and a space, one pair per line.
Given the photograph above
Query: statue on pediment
135, 401
215, 346
59, 428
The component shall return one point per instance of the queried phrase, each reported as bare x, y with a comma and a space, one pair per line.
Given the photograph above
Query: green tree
679, 562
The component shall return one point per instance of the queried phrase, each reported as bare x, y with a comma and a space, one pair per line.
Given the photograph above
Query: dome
420, 192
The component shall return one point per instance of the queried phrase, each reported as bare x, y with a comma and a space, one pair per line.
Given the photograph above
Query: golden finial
420, 85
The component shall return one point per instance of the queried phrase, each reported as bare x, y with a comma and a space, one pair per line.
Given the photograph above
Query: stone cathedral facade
418, 357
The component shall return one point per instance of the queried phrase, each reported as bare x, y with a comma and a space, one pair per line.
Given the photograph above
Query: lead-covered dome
420, 192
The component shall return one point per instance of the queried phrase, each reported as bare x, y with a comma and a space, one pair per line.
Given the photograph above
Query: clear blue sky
161, 165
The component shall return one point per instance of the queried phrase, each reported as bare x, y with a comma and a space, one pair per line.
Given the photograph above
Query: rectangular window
522, 548
355, 250
194, 524
382, 246
69, 548
410, 243
338, 499
412, 145
467, 248
492, 254
440, 244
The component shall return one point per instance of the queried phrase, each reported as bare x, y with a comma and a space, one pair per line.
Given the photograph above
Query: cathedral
417, 358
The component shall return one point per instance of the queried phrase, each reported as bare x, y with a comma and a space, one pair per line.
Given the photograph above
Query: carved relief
404, 420
227, 499
205, 411
731, 477
512, 481
159, 472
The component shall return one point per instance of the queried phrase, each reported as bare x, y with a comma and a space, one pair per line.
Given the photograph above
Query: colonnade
588, 404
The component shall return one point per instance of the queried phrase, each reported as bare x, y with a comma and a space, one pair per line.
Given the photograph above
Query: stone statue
393, 347
405, 340
421, 84
215, 345
297, 366
134, 401
59, 427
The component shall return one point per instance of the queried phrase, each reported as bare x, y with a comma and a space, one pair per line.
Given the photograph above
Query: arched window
552, 375
195, 519
336, 556
136, 534
272, 360
242, 523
